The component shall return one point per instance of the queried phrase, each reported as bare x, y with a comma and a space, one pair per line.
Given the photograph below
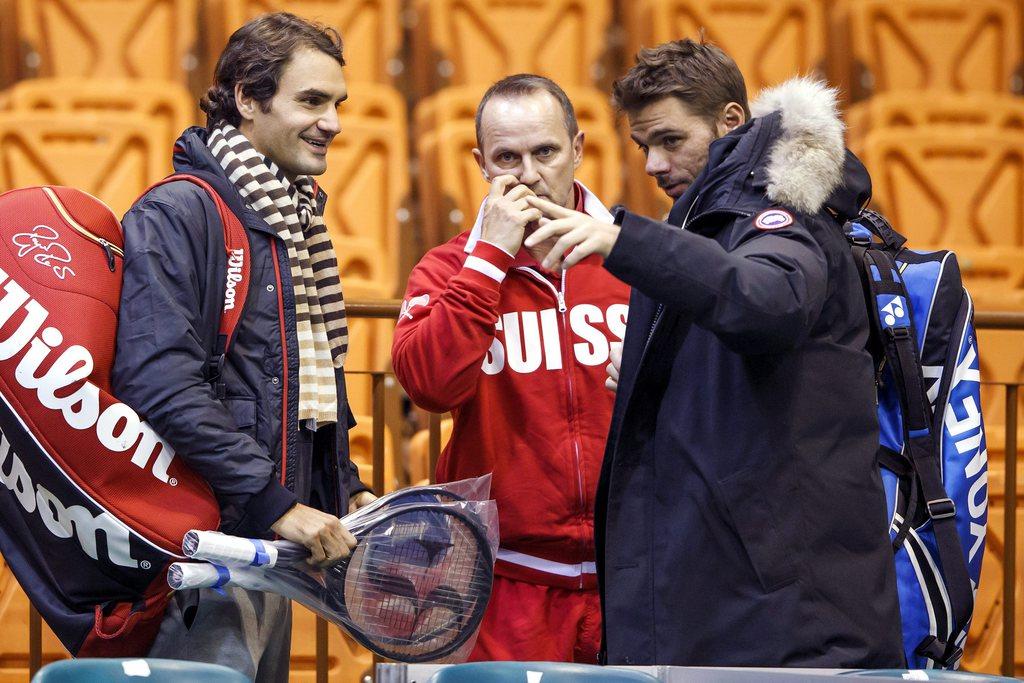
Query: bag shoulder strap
236, 289
892, 323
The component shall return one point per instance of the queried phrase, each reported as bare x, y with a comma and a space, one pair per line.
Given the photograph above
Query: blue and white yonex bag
932, 452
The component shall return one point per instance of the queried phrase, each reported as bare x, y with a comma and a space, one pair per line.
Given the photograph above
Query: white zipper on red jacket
567, 368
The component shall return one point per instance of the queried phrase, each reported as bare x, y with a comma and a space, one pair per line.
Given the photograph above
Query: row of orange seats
870, 46
113, 139
175, 40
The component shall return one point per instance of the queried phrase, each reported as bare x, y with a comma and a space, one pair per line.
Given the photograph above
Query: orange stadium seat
370, 29
461, 42
360, 440
936, 110
369, 351
984, 644
450, 184
771, 40
368, 100
8, 45
108, 38
949, 45
168, 105
419, 452
367, 183
112, 156
962, 190
14, 646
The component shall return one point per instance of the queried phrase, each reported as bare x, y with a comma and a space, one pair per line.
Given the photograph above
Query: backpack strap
880, 227
892, 323
899, 464
236, 247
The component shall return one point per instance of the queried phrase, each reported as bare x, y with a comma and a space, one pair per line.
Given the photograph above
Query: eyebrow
657, 133
316, 92
539, 145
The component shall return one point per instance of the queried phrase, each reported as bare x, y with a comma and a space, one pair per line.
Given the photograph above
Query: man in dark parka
740, 515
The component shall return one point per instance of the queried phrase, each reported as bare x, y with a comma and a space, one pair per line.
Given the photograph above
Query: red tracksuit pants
528, 622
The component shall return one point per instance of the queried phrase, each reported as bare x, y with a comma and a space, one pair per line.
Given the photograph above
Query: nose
657, 163
329, 123
529, 175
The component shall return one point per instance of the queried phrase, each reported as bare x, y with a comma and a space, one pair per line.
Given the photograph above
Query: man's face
525, 136
675, 142
296, 130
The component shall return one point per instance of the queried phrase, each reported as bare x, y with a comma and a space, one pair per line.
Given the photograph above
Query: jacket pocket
754, 517
243, 412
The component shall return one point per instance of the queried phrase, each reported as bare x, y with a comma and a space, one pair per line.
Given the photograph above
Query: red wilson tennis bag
93, 503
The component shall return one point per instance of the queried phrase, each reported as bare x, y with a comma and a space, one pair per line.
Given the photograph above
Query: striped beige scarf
290, 208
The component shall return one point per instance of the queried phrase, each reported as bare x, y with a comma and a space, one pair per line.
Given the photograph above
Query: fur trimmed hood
805, 162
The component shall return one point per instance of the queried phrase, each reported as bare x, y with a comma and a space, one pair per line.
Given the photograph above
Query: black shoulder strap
889, 307
878, 225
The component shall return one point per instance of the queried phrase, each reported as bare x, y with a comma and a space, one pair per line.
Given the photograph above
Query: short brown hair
255, 56
527, 84
700, 74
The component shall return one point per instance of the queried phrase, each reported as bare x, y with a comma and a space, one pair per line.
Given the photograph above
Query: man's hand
574, 230
613, 368
361, 499
328, 540
507, 214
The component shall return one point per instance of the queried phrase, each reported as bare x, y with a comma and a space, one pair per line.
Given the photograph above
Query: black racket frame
484, 566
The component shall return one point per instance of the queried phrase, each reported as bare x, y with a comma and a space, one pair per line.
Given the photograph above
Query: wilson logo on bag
94, 503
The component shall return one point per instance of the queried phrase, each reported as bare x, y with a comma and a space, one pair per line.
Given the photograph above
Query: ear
731, 117
478, 155
577, 150
245, 104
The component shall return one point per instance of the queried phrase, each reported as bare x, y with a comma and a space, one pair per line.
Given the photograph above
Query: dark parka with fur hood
740, 516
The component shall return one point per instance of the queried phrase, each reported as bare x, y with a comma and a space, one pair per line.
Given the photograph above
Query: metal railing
390, 309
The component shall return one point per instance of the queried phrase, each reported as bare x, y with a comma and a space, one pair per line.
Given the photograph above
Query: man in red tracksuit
518, 355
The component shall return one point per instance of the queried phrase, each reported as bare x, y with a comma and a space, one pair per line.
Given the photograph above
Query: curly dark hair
255, 56
699, 73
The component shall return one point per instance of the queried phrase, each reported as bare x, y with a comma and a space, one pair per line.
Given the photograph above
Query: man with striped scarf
266, 423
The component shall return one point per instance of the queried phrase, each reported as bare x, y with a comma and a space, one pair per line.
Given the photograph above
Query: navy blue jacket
740, 514
173, 293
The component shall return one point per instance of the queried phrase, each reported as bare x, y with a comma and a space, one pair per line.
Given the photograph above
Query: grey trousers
248, 631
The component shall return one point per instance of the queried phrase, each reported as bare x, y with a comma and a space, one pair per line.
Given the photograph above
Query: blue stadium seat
933, 675
553, 672
134, 670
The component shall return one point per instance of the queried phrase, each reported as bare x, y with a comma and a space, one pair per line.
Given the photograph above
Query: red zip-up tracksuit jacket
518, 355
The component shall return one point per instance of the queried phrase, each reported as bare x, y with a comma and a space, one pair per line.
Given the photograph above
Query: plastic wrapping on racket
213, 546
414, 589
475, 489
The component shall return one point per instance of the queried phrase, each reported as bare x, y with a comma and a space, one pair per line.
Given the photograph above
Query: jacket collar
591, 205
791, 153
191, 155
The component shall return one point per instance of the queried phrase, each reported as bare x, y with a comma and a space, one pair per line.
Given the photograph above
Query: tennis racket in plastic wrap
218, 548
414, 589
